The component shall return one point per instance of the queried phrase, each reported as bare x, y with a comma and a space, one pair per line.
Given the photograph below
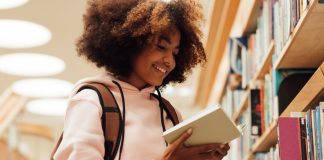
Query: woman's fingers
180, 141
199, 149
222, 152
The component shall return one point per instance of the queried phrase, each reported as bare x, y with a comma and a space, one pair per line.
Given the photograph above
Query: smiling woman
143, 45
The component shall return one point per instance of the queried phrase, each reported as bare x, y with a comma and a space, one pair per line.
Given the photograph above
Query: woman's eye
161, 47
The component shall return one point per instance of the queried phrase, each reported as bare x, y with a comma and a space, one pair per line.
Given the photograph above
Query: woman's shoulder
85, 97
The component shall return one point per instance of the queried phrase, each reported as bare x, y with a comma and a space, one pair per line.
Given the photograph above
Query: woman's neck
139, 84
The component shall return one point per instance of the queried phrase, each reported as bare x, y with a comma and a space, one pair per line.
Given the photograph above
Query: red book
289, 138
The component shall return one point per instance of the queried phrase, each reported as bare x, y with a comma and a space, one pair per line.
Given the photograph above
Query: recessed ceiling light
22, 34
30, 64
8, 4
42, 88
49, 107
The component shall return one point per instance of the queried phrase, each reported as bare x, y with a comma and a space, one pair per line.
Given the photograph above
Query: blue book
318, 132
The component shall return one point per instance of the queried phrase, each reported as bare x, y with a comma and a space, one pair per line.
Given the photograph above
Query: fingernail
189, 131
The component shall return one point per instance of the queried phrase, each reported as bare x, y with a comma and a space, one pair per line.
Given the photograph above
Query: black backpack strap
111, 118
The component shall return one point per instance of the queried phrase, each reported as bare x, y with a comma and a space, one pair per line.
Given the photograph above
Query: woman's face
157, 60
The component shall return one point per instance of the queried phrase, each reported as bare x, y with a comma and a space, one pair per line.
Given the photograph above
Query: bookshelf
247, 18
268, 139
304, 49
310, 95
242, 107
266, 62
307, 37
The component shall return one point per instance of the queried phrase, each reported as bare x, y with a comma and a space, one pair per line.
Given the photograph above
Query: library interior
265, 69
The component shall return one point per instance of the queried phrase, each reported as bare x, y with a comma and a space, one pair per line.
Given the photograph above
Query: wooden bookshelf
304, 49
249, 156
242, 107
305, 46
267, 140
246, 18
266, 62
310, 95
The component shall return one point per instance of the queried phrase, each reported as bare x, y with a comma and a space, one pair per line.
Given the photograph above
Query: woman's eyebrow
167, 39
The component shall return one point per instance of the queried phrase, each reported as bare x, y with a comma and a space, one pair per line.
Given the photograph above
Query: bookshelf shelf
249, 156
307, 37
266, 62
242, 107
246, 21
310, 95
267, 140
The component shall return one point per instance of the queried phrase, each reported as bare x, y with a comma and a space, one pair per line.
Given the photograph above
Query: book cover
256, 111
289, 138
211, 125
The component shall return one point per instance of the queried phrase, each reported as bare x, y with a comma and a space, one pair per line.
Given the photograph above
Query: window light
30, 64
22, 34
42, 88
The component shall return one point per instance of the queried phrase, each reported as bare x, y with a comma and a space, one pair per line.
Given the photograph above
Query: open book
211, 125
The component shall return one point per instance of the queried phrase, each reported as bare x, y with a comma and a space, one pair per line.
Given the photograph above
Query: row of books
276, 22
301, 136
286, 15
232, 100
266, 101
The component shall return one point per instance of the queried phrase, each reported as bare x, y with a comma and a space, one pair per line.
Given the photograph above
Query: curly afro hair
115, 32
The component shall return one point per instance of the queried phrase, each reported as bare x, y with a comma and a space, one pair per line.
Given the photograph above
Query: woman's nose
169, 61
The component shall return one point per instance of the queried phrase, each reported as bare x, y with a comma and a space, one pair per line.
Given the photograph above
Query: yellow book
211, 125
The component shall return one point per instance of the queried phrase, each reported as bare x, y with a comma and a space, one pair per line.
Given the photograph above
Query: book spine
309, 135
313, 116
318, 131
322, 125
289, 138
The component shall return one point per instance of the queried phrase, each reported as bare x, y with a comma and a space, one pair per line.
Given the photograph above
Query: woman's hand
177, 150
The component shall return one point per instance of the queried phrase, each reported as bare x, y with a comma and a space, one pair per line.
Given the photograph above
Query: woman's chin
156, 82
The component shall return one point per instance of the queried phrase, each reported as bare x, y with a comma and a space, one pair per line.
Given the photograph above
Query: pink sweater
83, 135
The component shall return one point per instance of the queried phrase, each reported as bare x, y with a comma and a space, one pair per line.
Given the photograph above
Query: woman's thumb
184, 136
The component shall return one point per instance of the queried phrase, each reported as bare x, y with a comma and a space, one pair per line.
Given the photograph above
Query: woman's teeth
160, 69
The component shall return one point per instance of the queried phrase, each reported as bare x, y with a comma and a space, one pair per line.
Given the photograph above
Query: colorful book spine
309, 132
322, 125
289, 138
318, 133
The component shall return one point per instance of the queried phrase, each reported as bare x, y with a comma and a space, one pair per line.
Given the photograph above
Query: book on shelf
210, 125
289, 130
